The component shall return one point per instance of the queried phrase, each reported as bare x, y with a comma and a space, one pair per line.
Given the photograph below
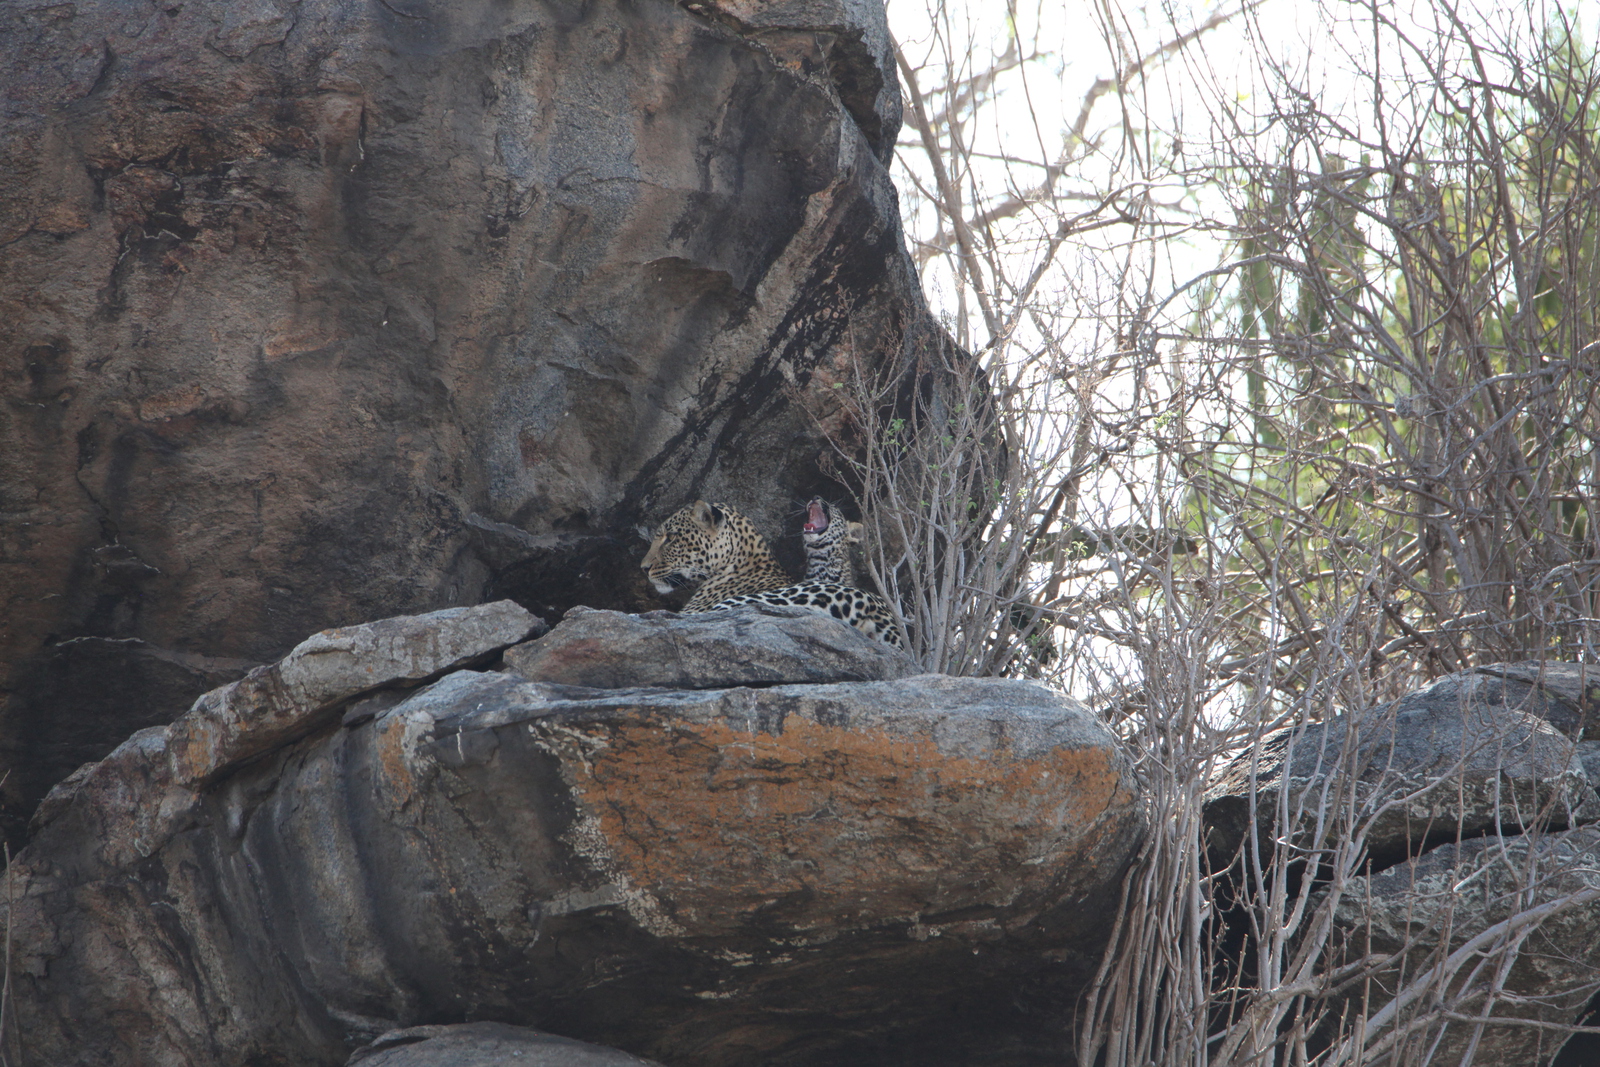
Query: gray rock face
1475, 793
818, 874
1566, 695
1430, 909
1589, 752
1447, 761
321, 311
707, 650
268, 708
486, 1045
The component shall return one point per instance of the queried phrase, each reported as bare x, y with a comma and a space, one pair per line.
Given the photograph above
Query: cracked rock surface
1478, 802
320, 311
1471, 754
823, 873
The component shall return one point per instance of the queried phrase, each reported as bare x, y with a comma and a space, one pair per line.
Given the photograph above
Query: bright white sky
1032, 105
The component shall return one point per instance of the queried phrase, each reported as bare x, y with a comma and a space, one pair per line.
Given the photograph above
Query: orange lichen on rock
815, 822
399, 780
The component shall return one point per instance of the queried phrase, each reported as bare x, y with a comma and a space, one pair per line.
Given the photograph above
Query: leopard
827, 536
865, 611
717, 546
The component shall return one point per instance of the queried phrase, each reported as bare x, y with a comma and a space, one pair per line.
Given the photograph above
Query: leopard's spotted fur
865, 611
827, 535
715, 545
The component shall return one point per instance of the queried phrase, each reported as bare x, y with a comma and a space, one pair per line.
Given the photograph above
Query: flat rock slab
800, 874
1450, 760
801, 812
750, 645
1468, 889
486, 1045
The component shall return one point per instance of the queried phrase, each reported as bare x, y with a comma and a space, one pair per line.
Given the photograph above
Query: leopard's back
865, 611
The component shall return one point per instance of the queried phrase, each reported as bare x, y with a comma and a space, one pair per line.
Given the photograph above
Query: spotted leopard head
828, 535
685, 549
713, 544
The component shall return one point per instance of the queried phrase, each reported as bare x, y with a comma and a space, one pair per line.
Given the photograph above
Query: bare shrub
1356, 451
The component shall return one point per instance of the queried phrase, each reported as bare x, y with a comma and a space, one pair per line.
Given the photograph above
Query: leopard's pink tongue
816, 517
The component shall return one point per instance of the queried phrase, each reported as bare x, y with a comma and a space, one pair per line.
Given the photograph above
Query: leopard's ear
853, 532
707, 516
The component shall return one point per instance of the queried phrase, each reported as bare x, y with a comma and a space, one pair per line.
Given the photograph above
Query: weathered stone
312, 308
1589, 753
1567, 695
1466, 889
751, 645
266, 709
1447, 761
921, 869
848, 37
486, 1045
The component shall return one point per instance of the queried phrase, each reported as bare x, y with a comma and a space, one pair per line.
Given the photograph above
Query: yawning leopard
828, 535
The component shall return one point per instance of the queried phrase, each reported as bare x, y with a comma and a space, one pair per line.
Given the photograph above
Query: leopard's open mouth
816, 517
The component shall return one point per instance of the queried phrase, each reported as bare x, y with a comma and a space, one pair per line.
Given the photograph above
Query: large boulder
325, 310
1472, 798
921, 869
1459, 758
1449, 913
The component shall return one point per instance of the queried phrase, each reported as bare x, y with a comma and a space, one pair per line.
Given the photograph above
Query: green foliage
1414, 334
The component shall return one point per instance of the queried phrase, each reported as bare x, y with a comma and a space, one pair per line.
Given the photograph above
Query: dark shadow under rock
551, 574
114, 688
